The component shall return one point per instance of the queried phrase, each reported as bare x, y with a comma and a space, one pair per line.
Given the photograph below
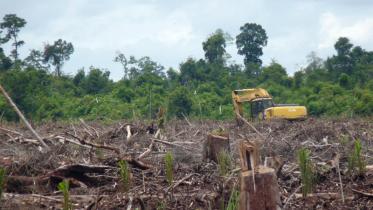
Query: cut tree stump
214, 145
258, 184
249, 155
265, 196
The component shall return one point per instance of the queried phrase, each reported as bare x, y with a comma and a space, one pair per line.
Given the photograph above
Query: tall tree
343, 62
214, 47
12, 24
250, 43
57, 54
121, 58
343, 46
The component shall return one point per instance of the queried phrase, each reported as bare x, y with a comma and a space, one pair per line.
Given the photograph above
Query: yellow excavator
262, 106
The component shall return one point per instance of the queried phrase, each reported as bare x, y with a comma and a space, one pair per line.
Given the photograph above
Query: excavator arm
247, 95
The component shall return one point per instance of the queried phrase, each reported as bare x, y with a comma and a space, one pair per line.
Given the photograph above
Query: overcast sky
170, 31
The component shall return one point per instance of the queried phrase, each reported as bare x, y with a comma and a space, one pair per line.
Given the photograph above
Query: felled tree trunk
214, 145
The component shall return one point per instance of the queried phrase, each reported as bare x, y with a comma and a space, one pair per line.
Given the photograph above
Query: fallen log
28, 201
77, 174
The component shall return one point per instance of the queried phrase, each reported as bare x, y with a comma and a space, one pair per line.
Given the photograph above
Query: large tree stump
214, 145
261, 195
259, 187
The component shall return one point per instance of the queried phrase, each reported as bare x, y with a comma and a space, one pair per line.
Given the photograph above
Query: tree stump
258, 184
214, 145
261, 195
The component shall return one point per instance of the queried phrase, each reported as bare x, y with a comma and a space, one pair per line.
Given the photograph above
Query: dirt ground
87, 154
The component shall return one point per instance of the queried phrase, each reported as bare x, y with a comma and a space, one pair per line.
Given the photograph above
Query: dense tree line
201, 88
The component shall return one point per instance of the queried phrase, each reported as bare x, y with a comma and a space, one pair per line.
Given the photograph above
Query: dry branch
363, 193
116, 150
252, 127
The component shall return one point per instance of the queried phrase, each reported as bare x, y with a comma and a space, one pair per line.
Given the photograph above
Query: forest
340, 85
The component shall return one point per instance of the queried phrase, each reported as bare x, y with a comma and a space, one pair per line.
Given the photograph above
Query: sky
170, 31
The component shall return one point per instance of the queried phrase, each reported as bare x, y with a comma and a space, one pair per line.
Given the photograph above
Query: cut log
266, 193
214, 145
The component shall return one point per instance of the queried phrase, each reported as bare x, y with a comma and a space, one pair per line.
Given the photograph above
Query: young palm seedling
306, 170
169, 167
64, 188
125, 174
356, 160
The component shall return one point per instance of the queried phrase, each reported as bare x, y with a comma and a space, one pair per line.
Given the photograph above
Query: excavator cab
258, 106
262, 106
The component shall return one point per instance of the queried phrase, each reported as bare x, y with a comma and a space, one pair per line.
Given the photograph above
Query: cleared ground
87, 155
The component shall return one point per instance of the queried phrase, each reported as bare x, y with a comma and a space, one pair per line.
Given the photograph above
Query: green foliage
233, 200
125, 174
250, 42
64, 188
169, 167
214, 47
180, 102
57, 53
12, 24
356, 162
200, 88
224, 162
306, 170
2, 181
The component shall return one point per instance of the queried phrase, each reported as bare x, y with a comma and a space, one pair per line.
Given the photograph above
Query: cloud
360, 31
170, 31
